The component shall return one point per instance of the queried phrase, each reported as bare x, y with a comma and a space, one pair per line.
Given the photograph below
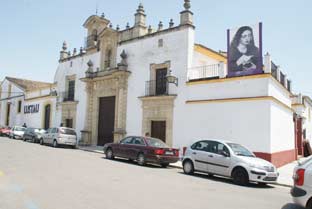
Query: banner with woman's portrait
244, 50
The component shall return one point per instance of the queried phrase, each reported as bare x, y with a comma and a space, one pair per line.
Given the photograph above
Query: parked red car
5, 131
143, 150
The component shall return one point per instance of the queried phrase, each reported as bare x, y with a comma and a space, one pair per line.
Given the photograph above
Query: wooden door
7, 122
161, 81
47, 111
159, 130
106, 120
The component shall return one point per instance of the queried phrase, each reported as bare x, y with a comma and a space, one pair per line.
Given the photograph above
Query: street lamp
171, 79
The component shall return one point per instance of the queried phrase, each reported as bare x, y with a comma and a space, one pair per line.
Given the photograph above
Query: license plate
272, 175
169, 153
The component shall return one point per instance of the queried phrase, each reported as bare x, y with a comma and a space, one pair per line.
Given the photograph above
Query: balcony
68, 96
206, 72
156, 88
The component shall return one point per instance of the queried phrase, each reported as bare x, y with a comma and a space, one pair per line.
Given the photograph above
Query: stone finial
69, 53
187, 4
171, 23
111, 25
117, 28
74, 51
90, 63
103, 15
123, 63
150, 30
127, 26
160, 26
80, 50
64, 47
140, 8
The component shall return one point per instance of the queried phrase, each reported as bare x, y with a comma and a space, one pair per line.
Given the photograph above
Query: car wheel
141, 159
188, 167
210, 175
164, 165
109, 154
55, 145
24, 139
74, 147
240, 176
41, 141
309, 204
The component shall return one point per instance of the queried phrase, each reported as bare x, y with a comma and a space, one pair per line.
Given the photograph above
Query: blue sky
32, 31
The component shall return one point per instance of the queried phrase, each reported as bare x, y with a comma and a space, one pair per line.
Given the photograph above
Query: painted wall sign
245, 50
31, 109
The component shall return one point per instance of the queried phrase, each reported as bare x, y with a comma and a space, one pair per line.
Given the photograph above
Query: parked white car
302, 189
60, 136
228, 159
17, 132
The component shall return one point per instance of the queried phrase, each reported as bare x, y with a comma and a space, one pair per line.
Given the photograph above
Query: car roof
216, 140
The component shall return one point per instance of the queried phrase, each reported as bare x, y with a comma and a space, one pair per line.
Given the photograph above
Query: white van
60, 136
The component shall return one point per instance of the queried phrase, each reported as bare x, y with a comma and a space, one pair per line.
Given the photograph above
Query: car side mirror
225, 154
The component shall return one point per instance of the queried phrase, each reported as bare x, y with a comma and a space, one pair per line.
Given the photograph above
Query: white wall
307, 124
201, 60
282, 129
242, 122
79, 67
141, 54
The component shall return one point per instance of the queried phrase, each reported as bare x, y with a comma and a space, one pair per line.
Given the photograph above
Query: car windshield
153, 142
240, 150
19, 129
67, 131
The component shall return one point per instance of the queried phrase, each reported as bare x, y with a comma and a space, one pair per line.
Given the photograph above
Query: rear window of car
153, 142
67, 131
19, 129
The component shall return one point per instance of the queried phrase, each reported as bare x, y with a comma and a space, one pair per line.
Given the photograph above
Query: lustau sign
31, 108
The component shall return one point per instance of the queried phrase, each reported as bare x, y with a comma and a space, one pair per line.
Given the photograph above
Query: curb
175, 166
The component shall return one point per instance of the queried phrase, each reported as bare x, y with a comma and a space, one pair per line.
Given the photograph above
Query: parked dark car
143, 150
5, 131
33, 134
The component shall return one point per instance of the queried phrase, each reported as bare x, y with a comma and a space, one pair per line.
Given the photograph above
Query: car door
124, 147
219, 159
137, 145
200, 155
47, 138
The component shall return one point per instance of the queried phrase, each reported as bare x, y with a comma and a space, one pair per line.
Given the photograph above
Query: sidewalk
285, 172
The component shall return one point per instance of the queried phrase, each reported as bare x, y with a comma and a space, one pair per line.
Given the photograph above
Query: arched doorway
47, 115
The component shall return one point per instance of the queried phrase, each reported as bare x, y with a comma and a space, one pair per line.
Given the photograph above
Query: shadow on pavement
131, 162
227, 180
291, 206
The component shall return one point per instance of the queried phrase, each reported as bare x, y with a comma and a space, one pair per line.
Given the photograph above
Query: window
19, 107
201, 146
160, 42
69, 123
222, 148
138, 141
126, 140
71, 90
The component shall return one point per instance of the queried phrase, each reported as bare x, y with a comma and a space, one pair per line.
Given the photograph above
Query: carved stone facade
113, 83
158, 108
69, 111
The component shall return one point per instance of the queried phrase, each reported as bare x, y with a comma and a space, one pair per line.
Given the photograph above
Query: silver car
17, 132
228, 159
60, 136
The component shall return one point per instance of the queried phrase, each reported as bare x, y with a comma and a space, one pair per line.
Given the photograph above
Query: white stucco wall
78, 68
307, 122
202, 60
281, 128
144, 52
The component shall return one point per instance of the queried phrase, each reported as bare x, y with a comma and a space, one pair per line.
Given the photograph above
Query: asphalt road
41, 177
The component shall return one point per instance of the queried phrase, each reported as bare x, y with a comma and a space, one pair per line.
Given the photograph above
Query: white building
118, 85
25, 101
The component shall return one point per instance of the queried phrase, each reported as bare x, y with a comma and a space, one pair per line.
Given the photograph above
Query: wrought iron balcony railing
156, 87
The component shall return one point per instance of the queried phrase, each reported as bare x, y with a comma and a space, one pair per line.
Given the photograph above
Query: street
41, 177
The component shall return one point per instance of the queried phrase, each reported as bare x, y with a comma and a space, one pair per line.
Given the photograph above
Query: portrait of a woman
244, 55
